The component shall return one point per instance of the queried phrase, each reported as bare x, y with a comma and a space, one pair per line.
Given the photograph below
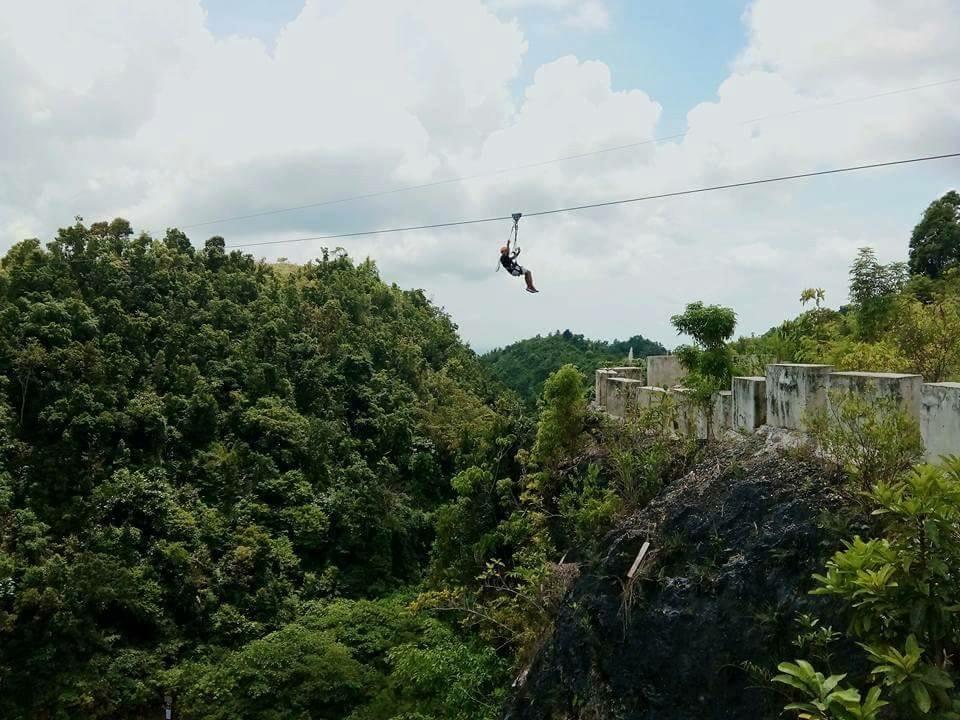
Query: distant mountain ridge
524, 365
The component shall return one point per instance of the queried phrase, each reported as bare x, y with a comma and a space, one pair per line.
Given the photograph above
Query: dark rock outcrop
732, 548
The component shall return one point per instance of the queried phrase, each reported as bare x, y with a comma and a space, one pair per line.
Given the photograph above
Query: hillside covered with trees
205, 466
524, 365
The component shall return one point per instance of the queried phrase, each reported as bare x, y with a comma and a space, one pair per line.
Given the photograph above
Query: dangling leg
528, 276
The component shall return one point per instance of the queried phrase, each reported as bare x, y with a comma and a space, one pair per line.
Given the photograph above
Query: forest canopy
198, 455
525, 365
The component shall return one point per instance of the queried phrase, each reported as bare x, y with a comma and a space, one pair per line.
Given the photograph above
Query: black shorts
517, 271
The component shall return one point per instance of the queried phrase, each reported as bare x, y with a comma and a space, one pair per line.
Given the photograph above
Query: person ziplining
508, 257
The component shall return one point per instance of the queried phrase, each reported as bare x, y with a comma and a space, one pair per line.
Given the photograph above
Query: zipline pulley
515, 231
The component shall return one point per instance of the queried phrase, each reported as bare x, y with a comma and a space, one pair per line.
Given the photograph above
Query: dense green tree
935, 242
564, 410
710, 360
873, 289
369, 660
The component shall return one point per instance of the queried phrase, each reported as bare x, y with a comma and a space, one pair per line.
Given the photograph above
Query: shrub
873, 440
901, 591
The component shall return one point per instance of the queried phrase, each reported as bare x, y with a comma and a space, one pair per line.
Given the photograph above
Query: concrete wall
781, 399
940, 419
794, 389
749, 403
900, 389
664, 371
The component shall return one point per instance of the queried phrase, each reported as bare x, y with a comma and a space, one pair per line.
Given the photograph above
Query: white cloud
590, 15
580, 14
136, 109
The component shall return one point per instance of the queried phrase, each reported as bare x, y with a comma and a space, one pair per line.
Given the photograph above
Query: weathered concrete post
648, 396
722, 418
685, 413
600, 385
664, 371
749, 402
691, 419
792, 390
940, 419
621, 395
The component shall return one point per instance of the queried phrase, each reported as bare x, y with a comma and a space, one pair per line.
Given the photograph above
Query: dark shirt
508, 261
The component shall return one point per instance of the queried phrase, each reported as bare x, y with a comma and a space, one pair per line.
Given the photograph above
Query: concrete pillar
749, 403
604, 374
621, 396
600, 386
691, 418
940, 419
901, 389
685, 417
648, 397
664, 371
722, 411
794, 389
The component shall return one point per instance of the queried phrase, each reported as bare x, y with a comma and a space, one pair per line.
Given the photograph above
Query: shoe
532, 290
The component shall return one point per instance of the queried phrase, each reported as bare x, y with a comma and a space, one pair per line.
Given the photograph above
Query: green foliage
525, 365
925, 332
935, 242
900, 588
824, 698
905, 583
873, 287
369, 660
893, 327
293, 672
528, 533
465, 534
874, 440
815, 639
817, 295
588, 506
709, 325
442, 676
194, 446
915, 685
851, 354
563, 411
710, 363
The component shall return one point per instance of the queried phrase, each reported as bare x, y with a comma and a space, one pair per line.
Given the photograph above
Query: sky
173, 113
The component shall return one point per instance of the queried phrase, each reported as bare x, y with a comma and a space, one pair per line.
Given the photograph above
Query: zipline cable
565, 158
608, 203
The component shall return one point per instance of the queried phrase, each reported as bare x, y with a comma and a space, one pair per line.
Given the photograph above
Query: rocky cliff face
732, 548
